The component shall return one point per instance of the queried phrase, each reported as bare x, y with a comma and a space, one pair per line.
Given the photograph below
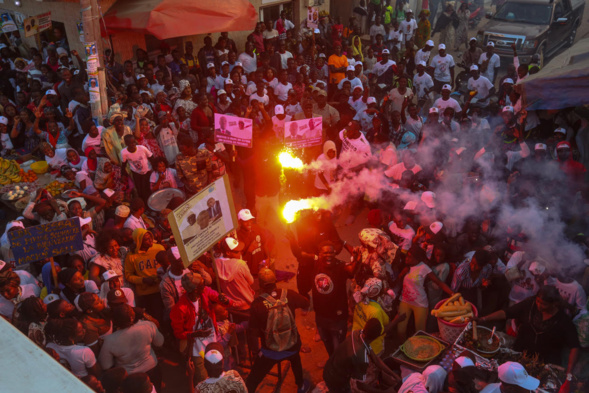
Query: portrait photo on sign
203, 219
233, 130
303, 133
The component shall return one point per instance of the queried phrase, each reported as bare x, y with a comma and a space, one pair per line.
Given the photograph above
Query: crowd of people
466, 191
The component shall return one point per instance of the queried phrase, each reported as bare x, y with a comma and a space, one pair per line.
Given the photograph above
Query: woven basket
450, 331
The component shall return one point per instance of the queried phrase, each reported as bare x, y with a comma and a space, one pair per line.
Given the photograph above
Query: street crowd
465, 191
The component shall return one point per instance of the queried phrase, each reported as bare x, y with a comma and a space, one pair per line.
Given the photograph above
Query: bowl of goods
453, 315
487, 343
40, 167
16, 193
421, 348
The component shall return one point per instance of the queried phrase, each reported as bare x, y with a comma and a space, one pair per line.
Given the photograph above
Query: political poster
233, 130
46, 241
37, 24
80, 27
8, 24
203, 220
303, 133
93, 87
312, 17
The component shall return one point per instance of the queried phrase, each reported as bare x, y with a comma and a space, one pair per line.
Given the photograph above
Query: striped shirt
463, 279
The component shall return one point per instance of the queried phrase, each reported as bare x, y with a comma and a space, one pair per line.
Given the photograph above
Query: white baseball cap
228, 81
472, 39
436, 227
210, 65
491, 43
560, 130
508, 81
213, 356
317, 31
474, 67
351, 68
107, 275
429, 43
447, 87
245, 215
238, 64
421, 63
51, 298
409, 11
221, 92
224, 63
359, 87
441, 46
279, 110
507, 108
4, 120
411, 205
433, 110
429, 198
371, 100
386, 52
140, 76
540, 146
234, 244
515, 374
50, 92
322, 55
464, 361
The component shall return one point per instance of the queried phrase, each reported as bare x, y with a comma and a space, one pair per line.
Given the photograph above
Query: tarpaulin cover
176, 18
563, 83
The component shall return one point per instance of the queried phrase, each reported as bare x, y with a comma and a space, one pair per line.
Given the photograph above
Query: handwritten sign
46, 241
233, 130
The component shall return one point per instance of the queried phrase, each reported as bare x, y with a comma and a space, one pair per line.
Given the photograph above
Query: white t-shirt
89, 141
79, 357
265, 100
328, 168
250, 64
421, 83
442, 67
354, 151
26, 290
133, 223
291, 110
408, 28
284, 59
395, 35
414, 285
169, 177
495, 62
272, 83
359, 105
523, 287
281, 91
442, 104
422, 55
168, 143
59, 159
413, 125
278, 125
572, 292
138, 160
380, 68
406, 234
481, 85
353, 82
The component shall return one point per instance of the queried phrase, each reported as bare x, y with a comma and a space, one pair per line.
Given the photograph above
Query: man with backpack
272, 318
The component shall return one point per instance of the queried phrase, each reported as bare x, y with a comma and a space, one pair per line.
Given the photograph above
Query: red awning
176, 18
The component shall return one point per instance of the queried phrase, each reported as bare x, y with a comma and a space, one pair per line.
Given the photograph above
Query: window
273, 12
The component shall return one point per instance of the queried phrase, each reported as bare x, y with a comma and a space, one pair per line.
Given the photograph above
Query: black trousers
263, 365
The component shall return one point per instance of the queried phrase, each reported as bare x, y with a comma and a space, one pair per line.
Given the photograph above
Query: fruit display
55, 188
9, 172
16, 193
454, 310
28, 176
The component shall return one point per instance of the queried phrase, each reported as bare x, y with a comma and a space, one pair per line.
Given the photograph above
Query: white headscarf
434, 378
5, 242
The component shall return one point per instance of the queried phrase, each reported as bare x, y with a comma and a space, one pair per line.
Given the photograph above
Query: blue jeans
332, 331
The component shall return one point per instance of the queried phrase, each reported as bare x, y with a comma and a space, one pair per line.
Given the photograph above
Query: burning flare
287, 160
293, 207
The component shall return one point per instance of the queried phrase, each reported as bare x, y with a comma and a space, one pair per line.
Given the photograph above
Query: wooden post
53, 272
91, 20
